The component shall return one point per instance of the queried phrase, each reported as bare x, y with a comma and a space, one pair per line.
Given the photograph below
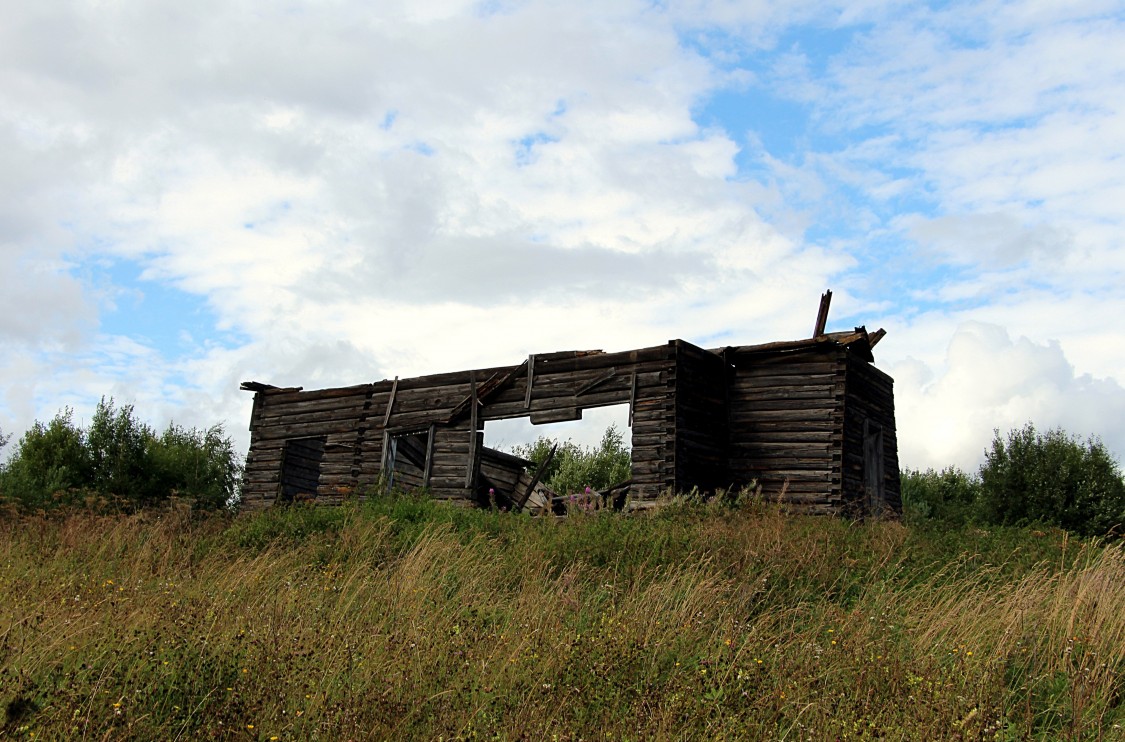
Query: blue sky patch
155, 313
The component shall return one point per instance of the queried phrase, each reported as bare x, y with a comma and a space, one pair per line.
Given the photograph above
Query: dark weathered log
557, 415
597, 381
522, 497
822, 314
390, 403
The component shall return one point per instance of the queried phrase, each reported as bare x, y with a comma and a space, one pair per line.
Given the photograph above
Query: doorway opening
300, 468
873, 475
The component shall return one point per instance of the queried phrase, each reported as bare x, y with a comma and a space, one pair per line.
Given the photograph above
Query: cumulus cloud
989, 381
354, 192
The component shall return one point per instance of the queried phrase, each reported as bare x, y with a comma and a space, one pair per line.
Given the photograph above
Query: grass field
405, 619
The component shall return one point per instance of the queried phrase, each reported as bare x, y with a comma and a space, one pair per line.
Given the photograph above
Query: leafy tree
119, 447
1052, 477
121, 459
200, 464
50, 462
575, 467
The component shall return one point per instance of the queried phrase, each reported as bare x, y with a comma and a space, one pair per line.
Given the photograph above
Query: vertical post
470, 469
429, 456
530, 380
632, 398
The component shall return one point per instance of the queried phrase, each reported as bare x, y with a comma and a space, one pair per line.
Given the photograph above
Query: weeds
406, 619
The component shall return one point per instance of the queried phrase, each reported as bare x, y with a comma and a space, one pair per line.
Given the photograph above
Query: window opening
526, 445
300, 468
406, 462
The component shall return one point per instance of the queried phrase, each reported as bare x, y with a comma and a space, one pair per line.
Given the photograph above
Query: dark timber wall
809, 420
699, 387
786, 423
870, 462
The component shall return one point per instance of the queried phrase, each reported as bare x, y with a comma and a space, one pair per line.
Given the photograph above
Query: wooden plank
288, 396
522, 497
632, 397
598, 381
559, 415
822, 314
390, 403
488, 389
429, 457
470, 471
308, 430
530, 380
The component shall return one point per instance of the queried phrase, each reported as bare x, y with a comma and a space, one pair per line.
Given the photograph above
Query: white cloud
989, 381
358, 191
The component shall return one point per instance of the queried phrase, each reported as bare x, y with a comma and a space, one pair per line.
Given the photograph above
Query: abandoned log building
812, 421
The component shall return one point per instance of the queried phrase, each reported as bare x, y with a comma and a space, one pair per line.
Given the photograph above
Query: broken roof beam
496, 383
590, 386
257, 386
822, 313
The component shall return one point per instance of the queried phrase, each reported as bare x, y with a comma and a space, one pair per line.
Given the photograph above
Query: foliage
404, 618
575, 467
1053, 478
119, 460
1049, 478
50, 463
948, 496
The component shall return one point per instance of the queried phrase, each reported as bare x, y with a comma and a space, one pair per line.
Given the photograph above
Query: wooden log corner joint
810, 421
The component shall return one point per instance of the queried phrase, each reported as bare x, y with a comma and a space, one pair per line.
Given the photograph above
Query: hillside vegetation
406, 619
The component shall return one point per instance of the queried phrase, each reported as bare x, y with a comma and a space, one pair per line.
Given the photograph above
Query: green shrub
576, 467
949, 495
119, 460
1054, 478
51, 463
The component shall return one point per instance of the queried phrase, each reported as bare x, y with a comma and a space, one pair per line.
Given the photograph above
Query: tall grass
404, 619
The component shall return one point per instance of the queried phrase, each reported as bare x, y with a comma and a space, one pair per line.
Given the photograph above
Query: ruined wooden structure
812, 421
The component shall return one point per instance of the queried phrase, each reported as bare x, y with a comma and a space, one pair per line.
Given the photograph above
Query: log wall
786, 425
790, 418
700, 431
357, 421
870, 397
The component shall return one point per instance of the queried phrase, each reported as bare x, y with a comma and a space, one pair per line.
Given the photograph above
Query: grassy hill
405, 619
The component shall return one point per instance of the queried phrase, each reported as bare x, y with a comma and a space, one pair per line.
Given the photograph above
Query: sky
328, 193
